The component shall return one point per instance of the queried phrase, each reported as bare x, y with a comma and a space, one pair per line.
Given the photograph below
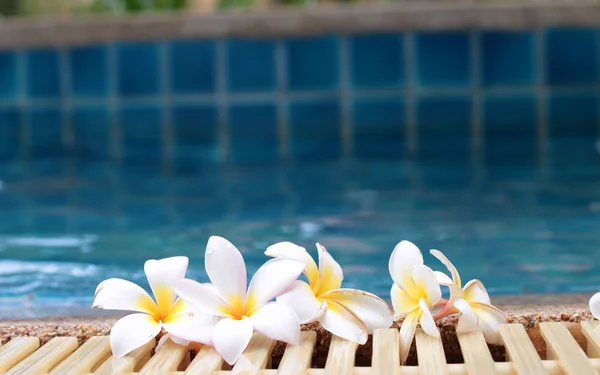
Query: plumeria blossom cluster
225, 312
416, 291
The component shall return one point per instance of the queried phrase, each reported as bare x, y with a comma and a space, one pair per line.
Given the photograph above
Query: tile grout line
68, 134
345, 93
115, 150
283, 131
221, 99
542, 95
250, 98
410, 73
25, 131
477, 140
166, 120
68, 137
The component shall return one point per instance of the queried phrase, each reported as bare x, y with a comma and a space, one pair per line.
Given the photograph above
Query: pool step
563, 355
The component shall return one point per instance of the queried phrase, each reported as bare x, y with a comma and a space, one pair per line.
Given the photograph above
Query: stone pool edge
528, 310
276, 22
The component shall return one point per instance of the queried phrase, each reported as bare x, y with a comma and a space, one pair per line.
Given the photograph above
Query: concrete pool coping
528, 310
298, 21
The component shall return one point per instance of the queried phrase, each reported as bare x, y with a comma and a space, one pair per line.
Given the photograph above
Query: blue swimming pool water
521, 227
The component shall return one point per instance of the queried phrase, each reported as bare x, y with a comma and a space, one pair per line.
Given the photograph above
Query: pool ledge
528, 310
318, 19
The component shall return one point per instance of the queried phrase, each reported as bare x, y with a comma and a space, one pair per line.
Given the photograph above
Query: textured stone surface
406, 15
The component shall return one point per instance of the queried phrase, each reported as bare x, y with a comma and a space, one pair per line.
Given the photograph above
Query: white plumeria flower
595, 305
348, 313
414, 293
472, 301
165, 311
240, 312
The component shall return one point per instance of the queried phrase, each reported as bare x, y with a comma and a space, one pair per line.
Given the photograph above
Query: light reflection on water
66, 225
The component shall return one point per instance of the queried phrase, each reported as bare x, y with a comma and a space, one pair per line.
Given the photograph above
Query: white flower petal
278, 322
468, 320
427, 284
304, 303
426, 320
446, 262
168, 336
442, 278
119, 294
476, 292
200, 297
370, 309
231, 337
405, 256
226, 270
160, 273
595, 305
408, 329
343, 323
188, 326
131, 332
490, 319
273, 278
330, 272
402, 302
293, 251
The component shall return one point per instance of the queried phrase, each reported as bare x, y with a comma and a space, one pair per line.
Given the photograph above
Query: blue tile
312, 63
138, 70
193, 66
45, 131
43, 75
573, 130
508, 58
315, 129
251, 65
91, 126
573, 116
253, 132
376, 60
195, 129
510, 123
443, 59
379, 127
89, 75
141, 132
10, 133
8, 75
571, 56
444, 128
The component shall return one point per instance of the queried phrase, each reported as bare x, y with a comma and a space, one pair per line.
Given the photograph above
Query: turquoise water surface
520, 226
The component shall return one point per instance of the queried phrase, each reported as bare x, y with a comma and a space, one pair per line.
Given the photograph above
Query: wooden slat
167, 359
85, 358
562, 346
477, 356
16, 350
206, 362
340, 359
430, 354
46, 357
591, 331
255, 357
296, 359
520, 350
386, 352
127, 363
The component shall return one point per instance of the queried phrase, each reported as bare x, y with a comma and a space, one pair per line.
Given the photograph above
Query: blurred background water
66, 225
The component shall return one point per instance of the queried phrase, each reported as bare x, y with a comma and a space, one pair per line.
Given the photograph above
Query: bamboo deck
61, 356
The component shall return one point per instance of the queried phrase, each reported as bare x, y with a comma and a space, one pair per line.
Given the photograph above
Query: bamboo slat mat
564, 355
